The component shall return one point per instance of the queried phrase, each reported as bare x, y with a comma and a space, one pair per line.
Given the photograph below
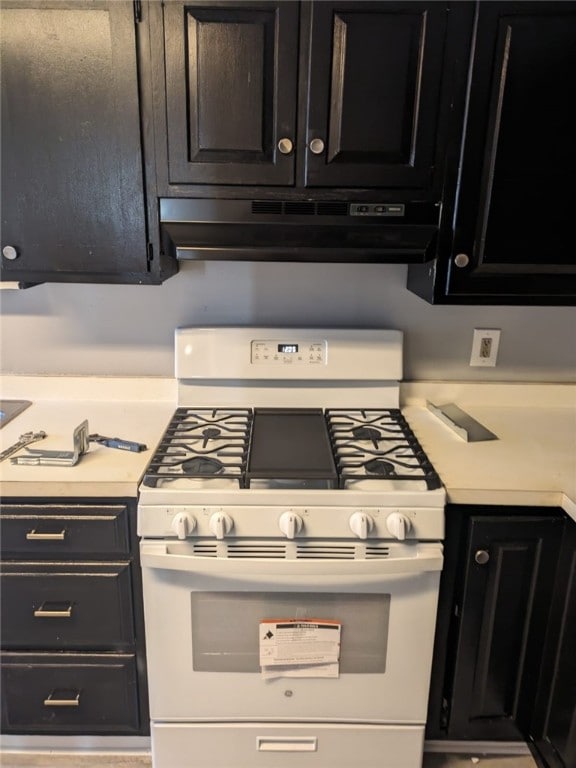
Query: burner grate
377, 444
202, 443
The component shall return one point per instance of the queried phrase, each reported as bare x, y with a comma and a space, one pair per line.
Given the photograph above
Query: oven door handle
156, 555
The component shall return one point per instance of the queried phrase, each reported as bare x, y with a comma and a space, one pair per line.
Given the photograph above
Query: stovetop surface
290, 448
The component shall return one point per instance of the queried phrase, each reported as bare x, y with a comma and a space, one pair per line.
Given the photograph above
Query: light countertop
532, 463
131, 409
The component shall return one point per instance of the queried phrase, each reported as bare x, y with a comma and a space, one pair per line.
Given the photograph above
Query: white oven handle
156, 555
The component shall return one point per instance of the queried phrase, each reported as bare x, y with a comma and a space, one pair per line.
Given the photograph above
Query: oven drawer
63, 530
69, 693
66, 606
277, 746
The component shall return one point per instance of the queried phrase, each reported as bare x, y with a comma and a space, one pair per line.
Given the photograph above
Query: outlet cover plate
485, 343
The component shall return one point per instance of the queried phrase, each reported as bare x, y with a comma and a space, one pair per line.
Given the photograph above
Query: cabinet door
514, 225
554, 727
72, 185
231, 71
508, 580
375, 73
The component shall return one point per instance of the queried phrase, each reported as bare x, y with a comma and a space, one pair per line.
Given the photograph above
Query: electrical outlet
485, 347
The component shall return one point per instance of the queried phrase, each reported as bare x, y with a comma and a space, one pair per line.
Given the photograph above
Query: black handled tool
116, 442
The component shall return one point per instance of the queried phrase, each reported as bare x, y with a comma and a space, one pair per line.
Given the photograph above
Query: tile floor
55, 760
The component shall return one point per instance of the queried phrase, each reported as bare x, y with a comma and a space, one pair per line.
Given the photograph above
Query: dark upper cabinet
508, 234
301, 95
231, 82
73, 206
373, 94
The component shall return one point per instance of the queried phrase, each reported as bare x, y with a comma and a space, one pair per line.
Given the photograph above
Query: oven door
203, 619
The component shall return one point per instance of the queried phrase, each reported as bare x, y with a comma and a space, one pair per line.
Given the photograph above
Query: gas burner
367, 433
202, 465
380, 467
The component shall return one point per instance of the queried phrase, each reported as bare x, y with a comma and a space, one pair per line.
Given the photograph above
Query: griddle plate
291, 444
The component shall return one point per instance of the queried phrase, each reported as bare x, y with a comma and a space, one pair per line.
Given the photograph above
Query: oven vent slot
205, 549
325, 551
377, 552
255, 550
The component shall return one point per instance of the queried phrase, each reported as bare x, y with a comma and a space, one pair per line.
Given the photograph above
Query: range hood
293, 230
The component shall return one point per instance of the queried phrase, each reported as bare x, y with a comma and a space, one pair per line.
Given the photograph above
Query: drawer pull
35, 536
54, 611
63, 698
290, 744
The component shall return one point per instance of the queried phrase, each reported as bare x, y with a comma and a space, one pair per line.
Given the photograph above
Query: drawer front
66, 606
69, 693
54, 530
265, 745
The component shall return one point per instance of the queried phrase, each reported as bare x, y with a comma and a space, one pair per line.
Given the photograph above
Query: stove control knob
221, 524
290, 524
183, 524
398, 525
361, 524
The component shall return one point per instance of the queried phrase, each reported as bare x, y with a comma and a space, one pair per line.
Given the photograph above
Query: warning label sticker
299, 648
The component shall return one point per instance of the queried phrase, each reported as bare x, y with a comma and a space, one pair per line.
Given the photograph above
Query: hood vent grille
296, 208
299, 208
267, 206
332, 208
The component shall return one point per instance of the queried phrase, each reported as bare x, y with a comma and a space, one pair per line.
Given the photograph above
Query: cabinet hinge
149, 256
444, 713
138, 11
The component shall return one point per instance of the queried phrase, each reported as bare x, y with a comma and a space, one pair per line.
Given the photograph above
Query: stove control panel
245, 521
291, 351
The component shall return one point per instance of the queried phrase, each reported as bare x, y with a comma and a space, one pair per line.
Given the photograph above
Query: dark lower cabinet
72, 656
69, 693
553, 729
499, 582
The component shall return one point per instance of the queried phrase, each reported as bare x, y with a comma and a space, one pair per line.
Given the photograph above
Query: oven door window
225, 627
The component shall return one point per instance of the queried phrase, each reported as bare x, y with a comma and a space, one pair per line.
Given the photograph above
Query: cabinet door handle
10, 252
63, 698
54, 611
316, 146
33, 535
285, 146
461, 260
482, 557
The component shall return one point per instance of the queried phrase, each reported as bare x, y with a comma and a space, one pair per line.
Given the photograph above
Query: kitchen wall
128, 330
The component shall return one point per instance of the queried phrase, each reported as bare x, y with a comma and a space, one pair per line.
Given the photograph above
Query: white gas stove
288, 486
